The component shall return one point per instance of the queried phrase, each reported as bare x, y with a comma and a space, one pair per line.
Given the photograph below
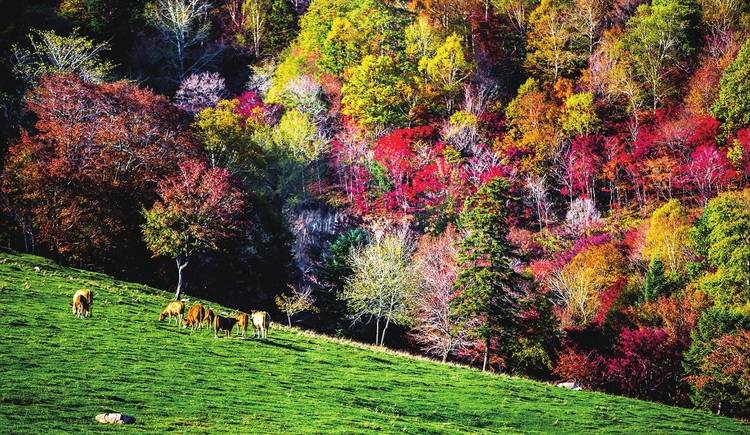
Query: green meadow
57, 372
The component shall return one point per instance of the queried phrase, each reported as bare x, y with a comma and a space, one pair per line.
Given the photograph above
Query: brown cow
261, 321
80, 305
173, 309
208, 317
223, 324
242, 319
194, 317
89, 296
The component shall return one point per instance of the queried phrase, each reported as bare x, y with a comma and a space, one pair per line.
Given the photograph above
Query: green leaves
486, 282
722, 236
374, 93
732, 107
53, 53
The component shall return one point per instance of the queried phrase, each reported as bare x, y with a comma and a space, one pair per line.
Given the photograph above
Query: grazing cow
208, 317
89, 296
80, 305
194, 317
242, 319
223, 324
261, 320
173, 309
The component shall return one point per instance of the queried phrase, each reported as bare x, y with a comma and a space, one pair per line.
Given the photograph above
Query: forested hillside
556, 189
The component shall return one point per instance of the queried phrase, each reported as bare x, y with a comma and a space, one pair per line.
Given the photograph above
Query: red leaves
98, 153
205, 199
647, 365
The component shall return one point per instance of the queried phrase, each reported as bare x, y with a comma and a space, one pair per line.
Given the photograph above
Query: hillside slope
59, 371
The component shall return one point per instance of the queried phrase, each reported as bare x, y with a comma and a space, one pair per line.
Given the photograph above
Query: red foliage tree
724, 382
585, 369
647, 365
77, 182
198, 207
707, 172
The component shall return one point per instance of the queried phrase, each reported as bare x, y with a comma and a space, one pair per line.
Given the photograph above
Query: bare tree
184, 25
52, 53
437, 325
537, 187
298, 300
249, 17
383, 284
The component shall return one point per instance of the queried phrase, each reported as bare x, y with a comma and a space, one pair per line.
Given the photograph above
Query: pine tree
656, 282
486, 282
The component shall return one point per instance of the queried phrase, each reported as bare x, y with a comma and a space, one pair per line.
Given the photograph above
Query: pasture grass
57, 372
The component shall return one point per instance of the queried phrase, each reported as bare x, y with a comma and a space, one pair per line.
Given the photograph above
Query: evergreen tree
486, 282
656, 282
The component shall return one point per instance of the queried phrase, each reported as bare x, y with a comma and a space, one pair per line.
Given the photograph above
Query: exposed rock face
115, 418
311, 226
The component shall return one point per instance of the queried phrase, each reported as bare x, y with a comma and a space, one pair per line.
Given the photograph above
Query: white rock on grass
570, 385
115, 418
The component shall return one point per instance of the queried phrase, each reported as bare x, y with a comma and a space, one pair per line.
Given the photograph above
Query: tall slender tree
486, 282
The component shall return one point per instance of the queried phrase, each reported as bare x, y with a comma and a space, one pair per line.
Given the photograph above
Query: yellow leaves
449, 66
589, 273
579, 116
668, 236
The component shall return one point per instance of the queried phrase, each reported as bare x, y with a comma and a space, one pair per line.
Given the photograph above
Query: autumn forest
554, 189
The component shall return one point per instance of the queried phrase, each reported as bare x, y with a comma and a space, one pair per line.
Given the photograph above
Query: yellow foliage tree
580, 282
668, 236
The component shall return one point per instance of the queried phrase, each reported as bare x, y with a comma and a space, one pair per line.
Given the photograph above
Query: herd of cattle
198, 316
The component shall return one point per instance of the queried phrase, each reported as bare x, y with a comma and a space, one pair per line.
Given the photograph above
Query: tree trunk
382, 335
377, 330
445, 355
486, 354
180, 280
289, 319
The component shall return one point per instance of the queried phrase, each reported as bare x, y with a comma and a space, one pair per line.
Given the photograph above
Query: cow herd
198, 316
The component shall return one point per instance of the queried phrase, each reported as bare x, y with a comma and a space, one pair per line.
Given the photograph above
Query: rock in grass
570, 385
115, 418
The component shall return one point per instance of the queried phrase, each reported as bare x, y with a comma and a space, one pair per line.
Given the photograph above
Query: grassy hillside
57, 372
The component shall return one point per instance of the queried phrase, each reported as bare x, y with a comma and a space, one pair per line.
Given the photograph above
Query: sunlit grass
57, 372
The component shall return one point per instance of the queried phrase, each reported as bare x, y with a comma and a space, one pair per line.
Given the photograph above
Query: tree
580, 283
448, 68
184, 25
658, 39
551, 41
200, 91
732, 107
589, 18
532, 127
656, 283
722, 237
713, 387
198, 208
228, 134
78, 181
437, 325
723, 384
579, 116
486, 281
373, 93
708, 171
383, 284
647, 365
295, 302
51, 53
266, 25
668, 236
517, 12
